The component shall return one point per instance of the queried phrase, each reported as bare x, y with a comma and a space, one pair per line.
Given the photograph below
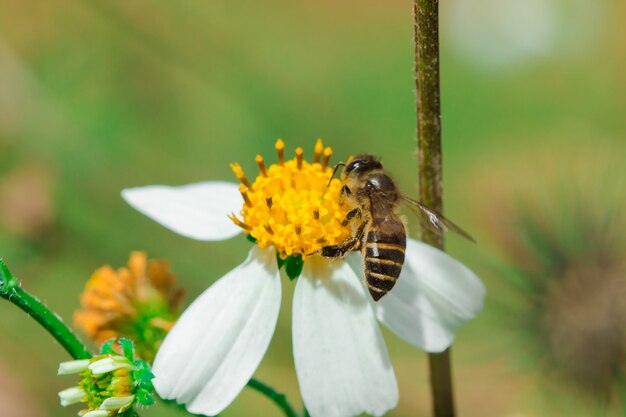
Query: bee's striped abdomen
383, 258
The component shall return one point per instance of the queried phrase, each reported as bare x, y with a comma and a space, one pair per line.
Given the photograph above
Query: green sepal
143, 376
144, 397
127, 348
107, 347
280, 261
293, 266
250, 238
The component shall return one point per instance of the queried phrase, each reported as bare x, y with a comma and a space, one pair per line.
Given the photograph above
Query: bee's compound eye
354, 166
362, 165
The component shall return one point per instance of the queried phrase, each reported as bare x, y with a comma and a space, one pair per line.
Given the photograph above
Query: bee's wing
436, 221
378, 203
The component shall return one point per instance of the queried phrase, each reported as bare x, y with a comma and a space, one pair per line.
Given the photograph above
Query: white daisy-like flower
340, 356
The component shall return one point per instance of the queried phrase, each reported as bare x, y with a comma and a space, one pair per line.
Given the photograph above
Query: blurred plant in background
570, 267
26, 196
563, 245
140, 302
510, 35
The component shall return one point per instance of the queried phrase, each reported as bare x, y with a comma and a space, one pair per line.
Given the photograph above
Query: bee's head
361, 163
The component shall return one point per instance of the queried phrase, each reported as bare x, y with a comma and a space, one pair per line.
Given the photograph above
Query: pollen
291, 205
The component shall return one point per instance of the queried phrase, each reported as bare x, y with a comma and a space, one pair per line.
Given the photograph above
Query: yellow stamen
244, 194
299, 153
292, 206
319, 147
240, 176
280, 148
238, 222
327, 153
259, 161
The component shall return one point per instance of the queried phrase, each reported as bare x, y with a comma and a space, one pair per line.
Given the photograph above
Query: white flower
341, 360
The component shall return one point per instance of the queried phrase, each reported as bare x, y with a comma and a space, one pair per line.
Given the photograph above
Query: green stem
279, 399
426, 22
181, 407
11, 290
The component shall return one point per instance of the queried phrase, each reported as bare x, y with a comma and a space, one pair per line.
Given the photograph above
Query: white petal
218, 342
109, 364
71, 396
341, 360
73, 367
97, 413
117, 403
198, 211
433, 296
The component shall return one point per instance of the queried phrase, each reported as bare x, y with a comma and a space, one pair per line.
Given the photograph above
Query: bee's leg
345, 191
359, 235
348, 245
337, 251
350, 215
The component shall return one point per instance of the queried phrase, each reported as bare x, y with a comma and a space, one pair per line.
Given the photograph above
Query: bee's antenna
339, 164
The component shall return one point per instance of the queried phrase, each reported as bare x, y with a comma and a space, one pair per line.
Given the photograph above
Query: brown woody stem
426, 22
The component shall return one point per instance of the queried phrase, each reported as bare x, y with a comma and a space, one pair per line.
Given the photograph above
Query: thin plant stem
181, 407
426, 24
279, 399
11, 290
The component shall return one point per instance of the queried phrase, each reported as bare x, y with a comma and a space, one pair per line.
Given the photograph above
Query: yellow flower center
291, 205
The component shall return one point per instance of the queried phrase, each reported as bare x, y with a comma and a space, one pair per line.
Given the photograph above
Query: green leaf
293, 266
250, 238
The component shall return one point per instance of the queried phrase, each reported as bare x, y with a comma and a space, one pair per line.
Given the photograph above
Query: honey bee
373, 198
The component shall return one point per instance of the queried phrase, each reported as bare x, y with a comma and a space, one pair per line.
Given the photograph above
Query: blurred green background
96, 96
